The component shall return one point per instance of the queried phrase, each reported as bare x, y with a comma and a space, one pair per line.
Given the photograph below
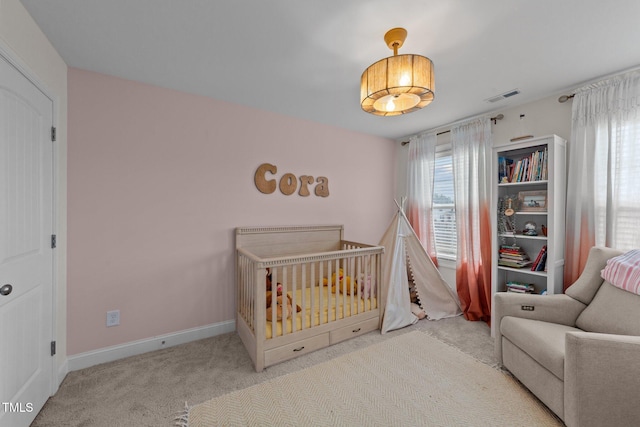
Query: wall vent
503, 96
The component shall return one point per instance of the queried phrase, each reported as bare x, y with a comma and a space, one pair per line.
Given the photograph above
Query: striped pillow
624, 271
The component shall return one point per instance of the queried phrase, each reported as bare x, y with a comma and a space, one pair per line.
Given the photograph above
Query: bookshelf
528, 191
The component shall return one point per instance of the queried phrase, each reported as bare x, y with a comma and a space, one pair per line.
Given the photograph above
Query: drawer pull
356, 330
299, 348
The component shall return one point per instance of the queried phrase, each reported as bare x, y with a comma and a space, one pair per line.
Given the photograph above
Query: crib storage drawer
298, 348
354, 330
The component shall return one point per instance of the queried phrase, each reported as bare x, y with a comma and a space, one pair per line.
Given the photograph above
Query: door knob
6, 289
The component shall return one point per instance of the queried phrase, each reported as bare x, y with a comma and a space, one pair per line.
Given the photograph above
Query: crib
306, 263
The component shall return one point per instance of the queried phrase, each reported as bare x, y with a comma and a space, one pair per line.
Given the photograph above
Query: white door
26, 256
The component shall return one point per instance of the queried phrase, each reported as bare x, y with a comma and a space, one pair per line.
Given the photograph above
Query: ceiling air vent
503, 96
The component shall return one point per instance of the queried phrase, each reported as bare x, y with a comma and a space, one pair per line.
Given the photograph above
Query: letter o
288, 184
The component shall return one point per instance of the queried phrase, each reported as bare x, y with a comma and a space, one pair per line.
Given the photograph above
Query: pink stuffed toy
367, 286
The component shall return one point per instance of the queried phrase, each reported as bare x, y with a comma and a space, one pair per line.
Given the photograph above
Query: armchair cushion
590, 280
542, 341
612, 311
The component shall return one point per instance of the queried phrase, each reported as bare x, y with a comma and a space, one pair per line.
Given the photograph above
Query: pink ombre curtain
471, 146
603, 191
420, 172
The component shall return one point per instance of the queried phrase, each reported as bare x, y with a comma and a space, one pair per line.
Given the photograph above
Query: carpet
409, 380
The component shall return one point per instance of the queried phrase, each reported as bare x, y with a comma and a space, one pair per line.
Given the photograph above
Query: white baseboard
63, 370
109, 354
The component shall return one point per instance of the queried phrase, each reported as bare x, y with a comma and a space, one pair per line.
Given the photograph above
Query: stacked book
540, 262
513, 256
521, 288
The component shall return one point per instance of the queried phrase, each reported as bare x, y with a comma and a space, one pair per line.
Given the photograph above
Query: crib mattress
329, 312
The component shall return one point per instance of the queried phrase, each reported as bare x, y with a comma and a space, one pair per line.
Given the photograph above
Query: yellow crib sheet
329, 303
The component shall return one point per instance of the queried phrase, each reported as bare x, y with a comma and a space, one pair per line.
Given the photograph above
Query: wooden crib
306, 262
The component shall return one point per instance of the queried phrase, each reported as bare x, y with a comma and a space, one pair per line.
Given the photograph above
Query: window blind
444, 213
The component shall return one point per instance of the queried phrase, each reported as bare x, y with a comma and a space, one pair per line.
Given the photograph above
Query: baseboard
63, 370
109, 354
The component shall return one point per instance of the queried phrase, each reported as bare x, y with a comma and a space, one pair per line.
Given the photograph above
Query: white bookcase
544, 175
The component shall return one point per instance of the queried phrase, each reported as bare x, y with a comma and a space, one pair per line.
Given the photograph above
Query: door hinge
53, 348
53, 134
53, 241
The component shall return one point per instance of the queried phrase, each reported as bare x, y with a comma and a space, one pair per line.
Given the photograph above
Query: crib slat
274, 293
245, 298
329, 295
304, 287
343, 287
365, 274
338, 284
321, 302
294, 288
284, 295
355, 309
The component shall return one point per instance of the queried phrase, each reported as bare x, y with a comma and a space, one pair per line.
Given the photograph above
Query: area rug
409, 380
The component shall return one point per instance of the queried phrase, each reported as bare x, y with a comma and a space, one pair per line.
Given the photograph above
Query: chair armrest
601, 379
548, 308
559, 308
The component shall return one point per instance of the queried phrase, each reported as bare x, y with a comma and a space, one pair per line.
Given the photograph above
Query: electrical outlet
113, 318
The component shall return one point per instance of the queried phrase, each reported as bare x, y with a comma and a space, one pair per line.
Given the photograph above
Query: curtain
603, 191
471, 146
420, 172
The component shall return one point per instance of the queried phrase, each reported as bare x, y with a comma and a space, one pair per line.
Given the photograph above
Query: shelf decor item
533, 201
506, 217
530, 228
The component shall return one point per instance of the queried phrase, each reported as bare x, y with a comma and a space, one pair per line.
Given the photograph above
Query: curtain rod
565, 98
494, 119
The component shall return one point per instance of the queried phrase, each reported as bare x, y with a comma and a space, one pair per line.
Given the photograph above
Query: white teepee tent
404, 256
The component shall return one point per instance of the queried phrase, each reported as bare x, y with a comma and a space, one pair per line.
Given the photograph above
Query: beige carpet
409, 380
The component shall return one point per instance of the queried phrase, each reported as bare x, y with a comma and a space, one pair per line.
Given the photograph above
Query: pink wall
159, 179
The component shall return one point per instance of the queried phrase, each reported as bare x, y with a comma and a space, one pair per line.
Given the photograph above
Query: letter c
266, 187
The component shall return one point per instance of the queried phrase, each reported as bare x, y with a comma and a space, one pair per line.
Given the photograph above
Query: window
444, 212
617, 195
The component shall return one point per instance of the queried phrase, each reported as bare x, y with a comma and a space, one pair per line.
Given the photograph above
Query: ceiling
305, 58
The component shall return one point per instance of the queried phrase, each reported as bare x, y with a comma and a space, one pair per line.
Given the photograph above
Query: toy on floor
415, 301
417, 311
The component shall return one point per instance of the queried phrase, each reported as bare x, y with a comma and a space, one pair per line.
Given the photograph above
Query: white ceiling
305, 58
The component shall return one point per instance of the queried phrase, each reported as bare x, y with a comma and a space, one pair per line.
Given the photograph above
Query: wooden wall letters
288, 182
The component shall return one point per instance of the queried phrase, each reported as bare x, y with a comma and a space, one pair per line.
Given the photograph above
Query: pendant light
398, 84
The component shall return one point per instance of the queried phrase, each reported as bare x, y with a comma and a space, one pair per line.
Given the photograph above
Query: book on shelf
542, 266
513, 256
521, 288
513, 263
541, 260
505, 166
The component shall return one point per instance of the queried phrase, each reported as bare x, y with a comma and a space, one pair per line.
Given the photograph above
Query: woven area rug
409, 380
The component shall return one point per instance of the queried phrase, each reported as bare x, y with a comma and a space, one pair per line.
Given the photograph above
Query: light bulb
391, 106
405, 80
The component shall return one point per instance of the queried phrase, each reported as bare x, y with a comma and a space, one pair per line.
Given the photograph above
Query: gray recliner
578, 352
